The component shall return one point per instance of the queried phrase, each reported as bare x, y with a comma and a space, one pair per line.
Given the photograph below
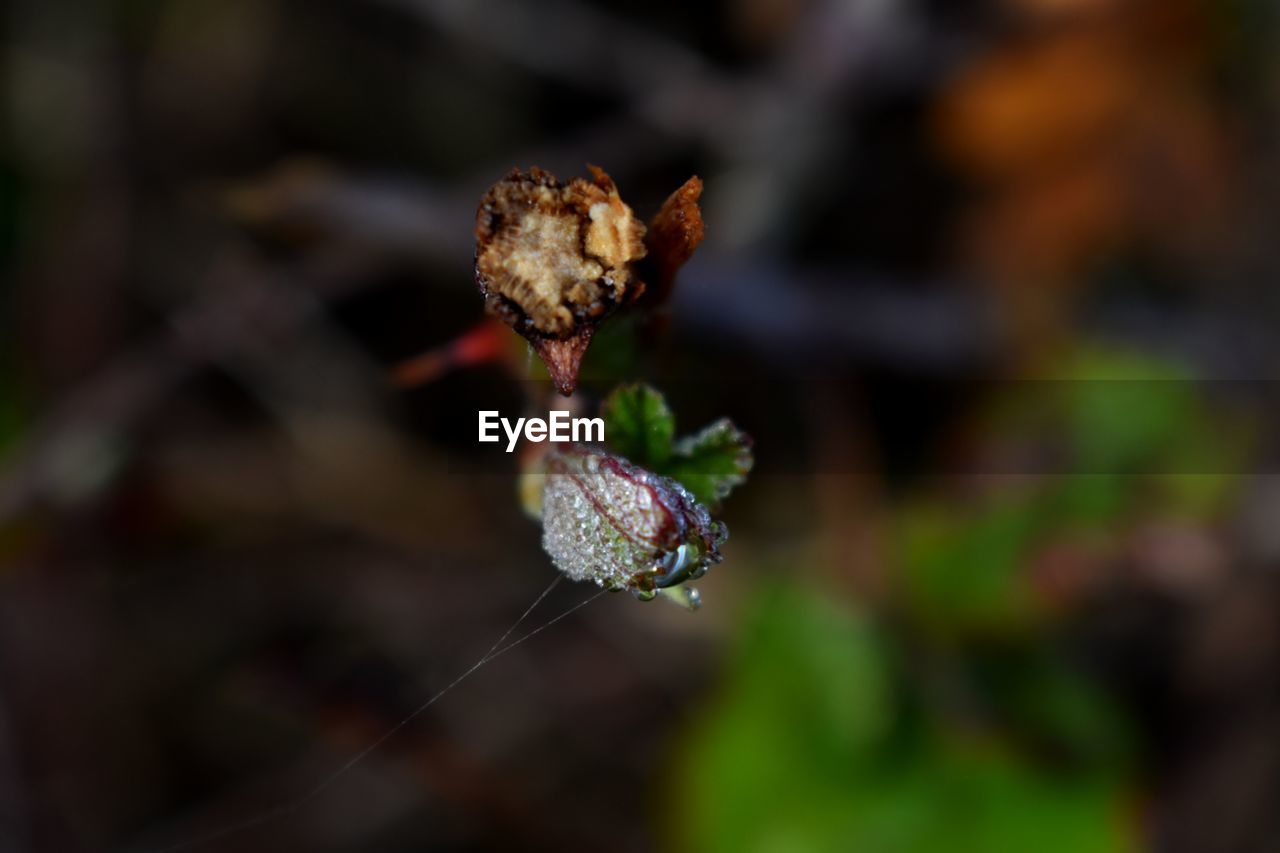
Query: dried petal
673, 234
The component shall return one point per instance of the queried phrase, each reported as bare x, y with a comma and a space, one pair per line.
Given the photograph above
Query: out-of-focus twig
763, 127
249, 309
667, 83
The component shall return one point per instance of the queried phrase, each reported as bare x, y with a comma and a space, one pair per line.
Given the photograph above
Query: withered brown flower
554, 259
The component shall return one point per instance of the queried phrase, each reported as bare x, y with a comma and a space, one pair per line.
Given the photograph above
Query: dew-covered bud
614, 523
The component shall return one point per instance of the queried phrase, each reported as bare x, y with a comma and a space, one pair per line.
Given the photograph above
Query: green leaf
711, 463
638, 425
965, 572
1055, 706
806, 700
813, 745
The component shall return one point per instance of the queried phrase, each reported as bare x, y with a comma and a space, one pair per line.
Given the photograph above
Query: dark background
992, 284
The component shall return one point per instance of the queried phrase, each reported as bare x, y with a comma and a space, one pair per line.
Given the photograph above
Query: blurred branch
668, 84
64, 454
815, 315
399, 216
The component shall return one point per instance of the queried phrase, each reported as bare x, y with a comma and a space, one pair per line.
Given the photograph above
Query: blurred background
992, 284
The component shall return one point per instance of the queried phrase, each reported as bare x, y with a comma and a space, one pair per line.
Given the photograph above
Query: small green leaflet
713, 462
710, 463
638, 425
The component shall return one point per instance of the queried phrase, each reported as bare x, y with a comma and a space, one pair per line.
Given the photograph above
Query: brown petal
672, 236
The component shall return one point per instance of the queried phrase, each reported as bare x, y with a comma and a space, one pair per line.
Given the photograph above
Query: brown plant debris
673, 234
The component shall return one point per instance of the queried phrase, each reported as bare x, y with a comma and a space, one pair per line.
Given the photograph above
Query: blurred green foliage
1135, 440
817, 743
954, 720
1127, 413
963, 572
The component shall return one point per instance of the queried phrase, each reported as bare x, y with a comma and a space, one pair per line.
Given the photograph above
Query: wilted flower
554, 259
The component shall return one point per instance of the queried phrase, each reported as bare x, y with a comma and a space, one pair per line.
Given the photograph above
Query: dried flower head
550, 256
553, 260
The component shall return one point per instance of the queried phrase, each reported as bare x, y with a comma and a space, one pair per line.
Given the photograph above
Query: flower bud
612, 522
